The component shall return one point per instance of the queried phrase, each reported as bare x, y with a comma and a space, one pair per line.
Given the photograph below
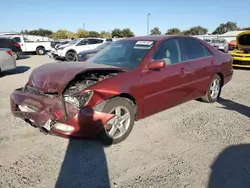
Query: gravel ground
193, 145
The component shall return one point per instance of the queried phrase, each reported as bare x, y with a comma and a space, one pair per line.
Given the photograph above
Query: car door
82, 45
167, 87
199, 66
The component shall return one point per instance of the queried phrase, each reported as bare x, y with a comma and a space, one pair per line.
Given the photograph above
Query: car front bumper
241, 62
56, 117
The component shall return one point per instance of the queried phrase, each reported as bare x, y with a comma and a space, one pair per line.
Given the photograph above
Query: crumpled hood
54, 77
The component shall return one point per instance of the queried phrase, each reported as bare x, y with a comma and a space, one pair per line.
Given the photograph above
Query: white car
7, 61
70, 50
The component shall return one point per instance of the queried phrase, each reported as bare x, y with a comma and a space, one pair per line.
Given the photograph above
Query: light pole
83, 26
148, 24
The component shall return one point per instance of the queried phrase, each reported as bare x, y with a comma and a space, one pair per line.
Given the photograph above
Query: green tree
117, 33
198, 30
81, 33
127, 33
62, 34
39, 32
225, 27
186, 32
93, 34
155, 31
246, 28
105, 34
173, 31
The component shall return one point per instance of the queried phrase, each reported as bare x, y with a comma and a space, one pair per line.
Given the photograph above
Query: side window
17, 39
195, 49
83, 42
95, 41
207, 52
168, 51
3, 41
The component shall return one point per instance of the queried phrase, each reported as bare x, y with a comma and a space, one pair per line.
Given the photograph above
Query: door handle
183, 71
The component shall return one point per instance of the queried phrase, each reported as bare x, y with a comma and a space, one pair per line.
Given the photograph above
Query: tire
212, 95
126, 106
70, 56
40, 51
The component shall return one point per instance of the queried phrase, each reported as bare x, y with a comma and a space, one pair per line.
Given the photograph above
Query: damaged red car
129, 80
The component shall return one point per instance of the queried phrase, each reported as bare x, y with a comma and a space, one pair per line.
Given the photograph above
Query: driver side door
165, 88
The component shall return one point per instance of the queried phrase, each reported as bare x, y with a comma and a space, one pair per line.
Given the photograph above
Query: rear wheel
70, 56
40, 51
118, 129
214, 90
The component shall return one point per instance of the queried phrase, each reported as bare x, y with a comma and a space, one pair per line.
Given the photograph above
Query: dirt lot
194, 145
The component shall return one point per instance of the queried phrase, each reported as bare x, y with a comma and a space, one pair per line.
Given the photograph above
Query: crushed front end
65, 114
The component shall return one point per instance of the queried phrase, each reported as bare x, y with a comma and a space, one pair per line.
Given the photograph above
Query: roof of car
154, 37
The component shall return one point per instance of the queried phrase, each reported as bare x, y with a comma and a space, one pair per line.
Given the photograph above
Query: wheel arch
70, 50
40, 47
221, 76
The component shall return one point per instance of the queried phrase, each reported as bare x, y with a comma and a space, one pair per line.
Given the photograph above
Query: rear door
199, 68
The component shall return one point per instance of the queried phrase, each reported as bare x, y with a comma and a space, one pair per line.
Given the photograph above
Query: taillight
16, 44
9, 52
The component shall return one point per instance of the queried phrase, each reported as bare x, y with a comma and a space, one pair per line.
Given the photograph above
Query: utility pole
148, 24
83, 26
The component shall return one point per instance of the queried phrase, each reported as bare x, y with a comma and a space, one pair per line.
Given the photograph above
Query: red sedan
129, 80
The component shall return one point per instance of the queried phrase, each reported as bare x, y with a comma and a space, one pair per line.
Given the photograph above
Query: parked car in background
128, 80
241, 55
70, 50
6, 42
7, 61
83, 56
220, 44
232, 45
40, 47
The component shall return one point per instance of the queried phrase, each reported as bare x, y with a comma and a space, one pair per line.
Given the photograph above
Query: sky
98, 15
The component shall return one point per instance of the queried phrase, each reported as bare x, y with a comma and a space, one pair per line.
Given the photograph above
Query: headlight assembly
79, 100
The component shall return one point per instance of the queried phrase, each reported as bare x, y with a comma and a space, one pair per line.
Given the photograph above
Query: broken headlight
79, 100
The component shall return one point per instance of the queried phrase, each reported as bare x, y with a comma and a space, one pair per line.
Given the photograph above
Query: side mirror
156, 65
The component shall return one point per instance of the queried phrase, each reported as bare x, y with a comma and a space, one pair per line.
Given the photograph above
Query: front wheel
70, 56
214, 90
118, 129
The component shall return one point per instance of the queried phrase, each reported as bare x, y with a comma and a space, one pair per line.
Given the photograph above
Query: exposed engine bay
83, 81
87, 79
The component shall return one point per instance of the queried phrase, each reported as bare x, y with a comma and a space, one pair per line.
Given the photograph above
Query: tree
105, 34
173, 31
117, 33
127, 33
155, 31
246, 28
225, 27
93, 34
62, 34
39, 32
81, 33
198, 30
186, 32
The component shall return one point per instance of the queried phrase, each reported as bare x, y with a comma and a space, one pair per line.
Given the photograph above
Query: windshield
100, 47
126, 54
74, 41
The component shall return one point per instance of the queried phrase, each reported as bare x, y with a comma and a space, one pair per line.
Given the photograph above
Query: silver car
7, 62
220, 44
